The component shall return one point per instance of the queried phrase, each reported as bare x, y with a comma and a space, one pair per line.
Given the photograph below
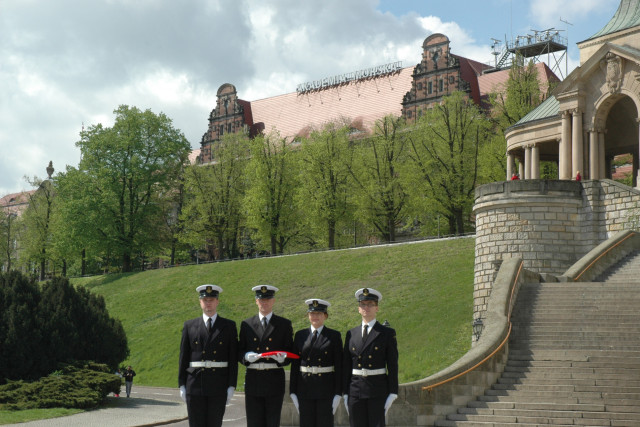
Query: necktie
264, 323
209, 325
365, 332
314, 337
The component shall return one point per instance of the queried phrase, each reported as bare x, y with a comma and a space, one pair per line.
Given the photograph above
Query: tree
123, 173
36, 239
444, 150
376, 173
269, 199
9, 226
213, 211
326, 158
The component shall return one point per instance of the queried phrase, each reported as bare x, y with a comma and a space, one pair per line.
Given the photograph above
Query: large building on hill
593, 115
359, 98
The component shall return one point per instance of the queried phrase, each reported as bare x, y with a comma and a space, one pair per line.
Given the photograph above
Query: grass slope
427, 290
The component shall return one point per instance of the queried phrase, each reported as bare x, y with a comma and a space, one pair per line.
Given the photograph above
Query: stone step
545, 364
549, 417
558, 396
614, 356
570, 374
565, 388
585, 370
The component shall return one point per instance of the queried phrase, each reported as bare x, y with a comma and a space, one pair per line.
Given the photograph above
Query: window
229, 128
430, 88
441, 85
409, 114
419, 86
221, 130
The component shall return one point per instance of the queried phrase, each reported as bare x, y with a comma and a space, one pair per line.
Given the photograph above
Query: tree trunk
126, 263
332, 234
273, 245
83, 268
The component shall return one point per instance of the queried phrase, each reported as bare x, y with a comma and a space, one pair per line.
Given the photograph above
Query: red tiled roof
497, 81
361, 101
16, 202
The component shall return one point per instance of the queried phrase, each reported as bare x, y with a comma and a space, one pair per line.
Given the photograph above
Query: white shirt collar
319, 329
373, 322
213, 318
268, 316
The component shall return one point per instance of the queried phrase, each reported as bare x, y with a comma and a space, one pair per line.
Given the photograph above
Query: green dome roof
627, 16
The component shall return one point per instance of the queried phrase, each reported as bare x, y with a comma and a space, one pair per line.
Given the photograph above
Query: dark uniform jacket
326, 351
199, 345
379, 351
277, 337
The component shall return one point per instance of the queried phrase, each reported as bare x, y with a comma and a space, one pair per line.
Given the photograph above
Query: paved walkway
147, 406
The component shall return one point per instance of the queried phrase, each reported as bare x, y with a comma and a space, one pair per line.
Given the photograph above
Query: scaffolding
533, 47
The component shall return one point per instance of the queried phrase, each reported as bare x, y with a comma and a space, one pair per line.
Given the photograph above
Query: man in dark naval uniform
208, 361
370, 365
316, 378
264, 380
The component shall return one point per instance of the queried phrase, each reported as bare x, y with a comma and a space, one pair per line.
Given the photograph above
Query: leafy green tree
269, 200
326, 158
36, 238
123, 173
213, 211
9, 227
376, 172
444, 149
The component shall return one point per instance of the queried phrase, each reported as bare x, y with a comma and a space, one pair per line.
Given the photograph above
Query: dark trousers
316, 412
206, 411
366, 412
263, 411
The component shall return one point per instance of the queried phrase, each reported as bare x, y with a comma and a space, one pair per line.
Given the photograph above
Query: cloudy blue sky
68, 62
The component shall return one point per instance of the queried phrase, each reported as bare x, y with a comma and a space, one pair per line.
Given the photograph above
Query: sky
65, 64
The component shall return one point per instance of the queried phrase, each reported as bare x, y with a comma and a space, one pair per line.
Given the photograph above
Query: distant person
370, 365
208, 361
515, 177
119, 375
316, 378
128, 379
264, 381
578, 176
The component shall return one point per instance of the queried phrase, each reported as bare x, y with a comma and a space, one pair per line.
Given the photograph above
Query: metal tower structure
533, 47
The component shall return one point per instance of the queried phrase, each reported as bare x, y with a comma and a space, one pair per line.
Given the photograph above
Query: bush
81, 386
39, 329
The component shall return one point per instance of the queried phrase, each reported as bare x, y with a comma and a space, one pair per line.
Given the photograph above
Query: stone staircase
574, 356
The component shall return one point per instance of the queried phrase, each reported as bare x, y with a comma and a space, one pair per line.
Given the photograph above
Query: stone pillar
535, 162
576, 143
564, 169
509, 165
521, 169
527, 162
594, 152
636, 157
602, 167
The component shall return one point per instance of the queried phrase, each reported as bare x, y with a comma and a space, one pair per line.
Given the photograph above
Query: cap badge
209, 289
365, 291
263, 289
315, 303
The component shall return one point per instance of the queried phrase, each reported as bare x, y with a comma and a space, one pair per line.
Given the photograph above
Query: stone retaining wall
549, 224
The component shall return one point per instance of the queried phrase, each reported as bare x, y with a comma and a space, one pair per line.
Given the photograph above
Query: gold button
376, 348
319, 359
319, 375
214, 352
370, 356
267, 348
359, 357
354, 349
258, 348
255, 339
326, 352
359, 365
220, 342
196, 343
269, 339
370, 365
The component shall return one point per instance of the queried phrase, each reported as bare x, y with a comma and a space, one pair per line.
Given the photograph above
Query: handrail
600, 256
429, 388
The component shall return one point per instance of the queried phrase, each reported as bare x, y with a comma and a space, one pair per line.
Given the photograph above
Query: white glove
389, 401
346, 402
230, 391
336, 402
279, 357
183, 393
251, 356
294, 399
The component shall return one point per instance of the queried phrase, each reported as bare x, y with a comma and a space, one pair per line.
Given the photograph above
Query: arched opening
621, 142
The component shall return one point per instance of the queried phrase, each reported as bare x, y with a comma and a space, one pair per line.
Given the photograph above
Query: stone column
602, 168
527, 162
576, 143
535, 162
594, 152
564, 169
521, 169
636, 157
509, 165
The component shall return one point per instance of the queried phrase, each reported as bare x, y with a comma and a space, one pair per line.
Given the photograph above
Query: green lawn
427, 293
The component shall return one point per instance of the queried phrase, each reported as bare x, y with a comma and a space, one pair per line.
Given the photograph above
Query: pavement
147, 406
